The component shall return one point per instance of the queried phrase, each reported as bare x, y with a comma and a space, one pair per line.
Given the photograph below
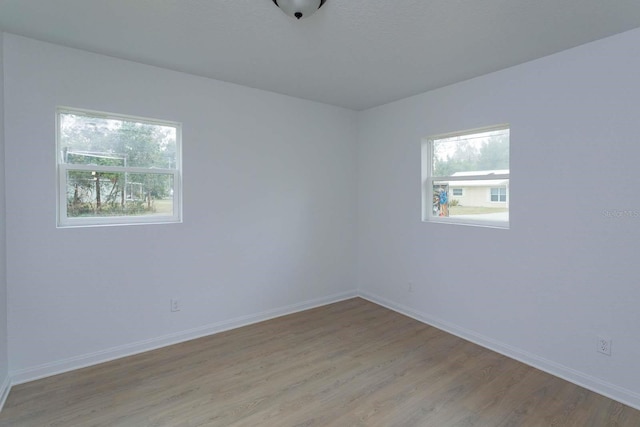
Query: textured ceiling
352, 53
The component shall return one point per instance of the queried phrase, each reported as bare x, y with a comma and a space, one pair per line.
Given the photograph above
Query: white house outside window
115, 169
465, 177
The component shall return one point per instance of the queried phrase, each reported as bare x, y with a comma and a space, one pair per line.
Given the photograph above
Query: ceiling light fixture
299, 8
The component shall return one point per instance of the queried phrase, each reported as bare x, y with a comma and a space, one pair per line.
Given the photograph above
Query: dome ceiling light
299, 8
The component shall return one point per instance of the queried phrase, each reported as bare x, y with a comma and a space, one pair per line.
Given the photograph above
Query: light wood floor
351, 363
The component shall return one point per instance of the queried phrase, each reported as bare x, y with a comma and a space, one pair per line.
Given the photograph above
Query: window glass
466, 177
117, 169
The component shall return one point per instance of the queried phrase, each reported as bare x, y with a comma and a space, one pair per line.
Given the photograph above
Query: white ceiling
352, 53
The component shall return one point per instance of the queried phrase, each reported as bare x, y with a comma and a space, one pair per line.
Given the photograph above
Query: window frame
502, 191
64, 221
427, 151
453, 192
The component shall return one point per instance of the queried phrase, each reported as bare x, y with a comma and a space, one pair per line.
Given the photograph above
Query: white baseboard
82, 361
5, 388
612, 391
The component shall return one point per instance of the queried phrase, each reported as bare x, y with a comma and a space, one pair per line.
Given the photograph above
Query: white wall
4, 377
269, 212
565, 272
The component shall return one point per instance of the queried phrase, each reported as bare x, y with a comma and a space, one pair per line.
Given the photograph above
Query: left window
117, 170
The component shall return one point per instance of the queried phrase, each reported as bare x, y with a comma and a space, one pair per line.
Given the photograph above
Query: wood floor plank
351, 363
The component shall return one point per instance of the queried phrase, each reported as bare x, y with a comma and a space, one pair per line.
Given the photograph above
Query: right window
465, 177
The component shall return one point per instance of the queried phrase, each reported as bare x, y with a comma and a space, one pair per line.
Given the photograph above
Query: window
115, 169
473, 165
499, 194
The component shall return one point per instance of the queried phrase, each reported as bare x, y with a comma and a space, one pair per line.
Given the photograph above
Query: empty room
299, 213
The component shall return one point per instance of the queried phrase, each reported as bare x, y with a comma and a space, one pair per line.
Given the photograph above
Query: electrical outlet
175, 304
604, 346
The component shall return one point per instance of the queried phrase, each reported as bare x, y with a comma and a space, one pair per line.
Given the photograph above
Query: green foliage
463, 155
494, 154
136, 207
